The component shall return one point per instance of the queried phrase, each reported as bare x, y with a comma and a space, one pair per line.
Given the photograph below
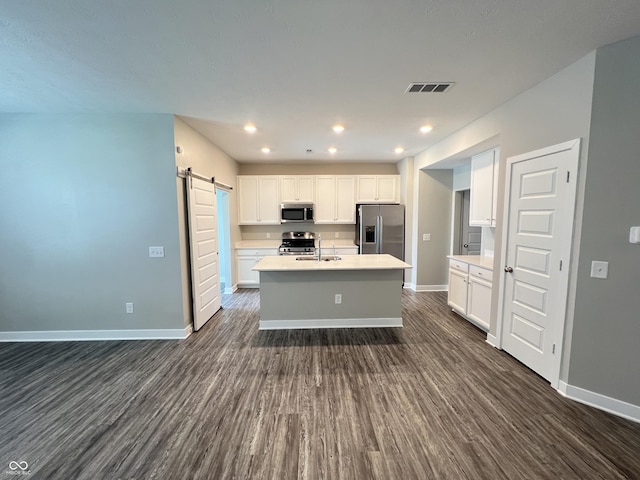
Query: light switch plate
156, 252
426, 237
599, 269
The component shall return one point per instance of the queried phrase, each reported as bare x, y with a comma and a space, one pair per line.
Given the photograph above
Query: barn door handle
508, 269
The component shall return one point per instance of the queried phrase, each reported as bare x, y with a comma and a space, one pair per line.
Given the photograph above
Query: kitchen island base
307, 299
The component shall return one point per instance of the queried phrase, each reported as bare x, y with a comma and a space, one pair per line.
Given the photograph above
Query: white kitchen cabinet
470, 292
246, 260
296, 188
457, 298
335, 199
258, 200
378, 189
484, 189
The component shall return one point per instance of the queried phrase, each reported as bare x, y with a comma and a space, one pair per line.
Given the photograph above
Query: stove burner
297, 243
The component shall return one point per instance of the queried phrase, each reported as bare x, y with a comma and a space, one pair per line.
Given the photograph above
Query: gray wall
556, 110
83, 197
606, 327
208, 160
434, 217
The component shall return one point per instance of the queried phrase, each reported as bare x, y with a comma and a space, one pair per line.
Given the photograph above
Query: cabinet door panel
367, 188
269, 206
248, 200
481, 207
288, 192
458, 290
345, 200
479, 301
246, 276
388, 188
325, 201
305, 189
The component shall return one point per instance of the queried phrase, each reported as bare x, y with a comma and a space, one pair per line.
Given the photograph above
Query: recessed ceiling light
332, 150
426, 128
399, 149
265, 149
250, 128
338, 128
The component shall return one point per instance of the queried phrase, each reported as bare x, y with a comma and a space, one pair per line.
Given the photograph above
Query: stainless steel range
298, 243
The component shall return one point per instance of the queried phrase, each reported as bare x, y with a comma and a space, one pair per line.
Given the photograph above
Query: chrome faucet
319, 247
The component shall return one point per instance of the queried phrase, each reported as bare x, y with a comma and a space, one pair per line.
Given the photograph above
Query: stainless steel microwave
296, 213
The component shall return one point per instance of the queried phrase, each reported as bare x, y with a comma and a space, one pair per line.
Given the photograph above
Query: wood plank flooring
429, 401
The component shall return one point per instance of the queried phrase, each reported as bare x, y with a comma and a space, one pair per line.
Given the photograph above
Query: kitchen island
355, 291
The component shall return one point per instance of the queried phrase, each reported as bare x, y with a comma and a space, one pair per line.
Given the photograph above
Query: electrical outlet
128, 307
338, 298
599, 269
156, 252
268, 234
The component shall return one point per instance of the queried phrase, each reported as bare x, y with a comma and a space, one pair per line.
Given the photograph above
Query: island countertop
288, 263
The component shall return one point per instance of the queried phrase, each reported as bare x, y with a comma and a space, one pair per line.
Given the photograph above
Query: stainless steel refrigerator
380, 229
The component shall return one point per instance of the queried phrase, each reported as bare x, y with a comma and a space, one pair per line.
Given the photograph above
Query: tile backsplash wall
259, 232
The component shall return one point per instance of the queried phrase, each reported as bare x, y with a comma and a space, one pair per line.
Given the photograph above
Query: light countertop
347, 262
477, 260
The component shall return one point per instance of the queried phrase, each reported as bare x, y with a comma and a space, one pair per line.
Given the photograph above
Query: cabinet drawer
256, 252
481, 272
458, 265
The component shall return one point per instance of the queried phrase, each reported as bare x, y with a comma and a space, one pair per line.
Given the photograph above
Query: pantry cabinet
258, 200
484, 189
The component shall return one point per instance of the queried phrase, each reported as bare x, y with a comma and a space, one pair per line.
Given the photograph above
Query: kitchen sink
328, 258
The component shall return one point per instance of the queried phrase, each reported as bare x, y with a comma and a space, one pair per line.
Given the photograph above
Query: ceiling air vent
429, 87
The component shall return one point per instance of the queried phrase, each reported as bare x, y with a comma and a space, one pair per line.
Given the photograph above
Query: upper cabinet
484, 189
335, 199
296, 188
378, 189
258, 200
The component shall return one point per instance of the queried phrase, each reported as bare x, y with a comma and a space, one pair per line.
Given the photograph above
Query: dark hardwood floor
429, 401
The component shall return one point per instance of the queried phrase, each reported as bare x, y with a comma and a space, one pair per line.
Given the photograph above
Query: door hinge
553, 350
560, 265
568, 175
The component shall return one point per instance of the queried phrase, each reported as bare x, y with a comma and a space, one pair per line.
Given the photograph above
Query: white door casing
203, 242
537, 236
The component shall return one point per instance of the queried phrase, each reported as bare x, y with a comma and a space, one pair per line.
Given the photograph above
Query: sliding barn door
203, 239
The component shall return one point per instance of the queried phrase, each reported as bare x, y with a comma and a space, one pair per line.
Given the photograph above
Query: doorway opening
466, 239
224, 241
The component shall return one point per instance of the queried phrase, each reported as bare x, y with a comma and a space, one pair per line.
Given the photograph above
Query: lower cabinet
470, 292
246, 260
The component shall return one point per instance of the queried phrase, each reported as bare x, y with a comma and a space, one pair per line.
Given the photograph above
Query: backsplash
260, 232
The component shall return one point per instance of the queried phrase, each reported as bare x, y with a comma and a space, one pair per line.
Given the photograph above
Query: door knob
508, 269
466, 245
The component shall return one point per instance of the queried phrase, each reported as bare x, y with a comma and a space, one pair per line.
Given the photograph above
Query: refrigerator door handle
379, 236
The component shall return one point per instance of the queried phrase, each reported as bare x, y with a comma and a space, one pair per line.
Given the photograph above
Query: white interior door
203, 240
539, 213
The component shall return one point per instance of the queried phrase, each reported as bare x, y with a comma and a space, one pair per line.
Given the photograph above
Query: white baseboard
96, 335
431, 288
330, 323
602, 402
409, 286
230, 290
492, 340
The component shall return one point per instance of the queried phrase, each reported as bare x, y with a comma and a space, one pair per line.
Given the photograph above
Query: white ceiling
296, 67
